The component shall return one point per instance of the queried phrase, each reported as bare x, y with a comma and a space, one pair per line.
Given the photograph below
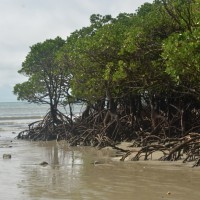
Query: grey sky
27, 22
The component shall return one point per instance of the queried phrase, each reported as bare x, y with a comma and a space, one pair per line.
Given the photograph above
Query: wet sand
71, 175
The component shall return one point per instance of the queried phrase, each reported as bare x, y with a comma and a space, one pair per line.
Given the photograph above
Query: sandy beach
71, 174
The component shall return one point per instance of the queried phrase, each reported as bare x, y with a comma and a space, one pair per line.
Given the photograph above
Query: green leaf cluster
150, 52
47, 79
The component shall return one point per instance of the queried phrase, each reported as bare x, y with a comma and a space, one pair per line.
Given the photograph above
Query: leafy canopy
47, 80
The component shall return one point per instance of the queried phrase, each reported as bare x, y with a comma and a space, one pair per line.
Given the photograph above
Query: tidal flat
71, 174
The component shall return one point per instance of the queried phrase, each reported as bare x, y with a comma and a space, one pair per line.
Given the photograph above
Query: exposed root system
105, 128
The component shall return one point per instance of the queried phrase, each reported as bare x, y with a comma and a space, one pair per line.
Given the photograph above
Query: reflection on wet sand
70, 175
57, 179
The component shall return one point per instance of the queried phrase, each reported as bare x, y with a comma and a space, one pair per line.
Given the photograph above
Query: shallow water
70, 175
15, 116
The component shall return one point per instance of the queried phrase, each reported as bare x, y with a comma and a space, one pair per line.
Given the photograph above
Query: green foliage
112, 55
181, 52
88, 51
47, 81
182, 12
148, 52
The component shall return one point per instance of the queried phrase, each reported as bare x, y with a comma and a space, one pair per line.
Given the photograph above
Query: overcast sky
27, 22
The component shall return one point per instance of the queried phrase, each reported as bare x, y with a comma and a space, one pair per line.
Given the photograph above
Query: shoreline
115, 155
155, 160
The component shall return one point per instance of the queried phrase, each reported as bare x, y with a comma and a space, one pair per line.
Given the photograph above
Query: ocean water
15, 116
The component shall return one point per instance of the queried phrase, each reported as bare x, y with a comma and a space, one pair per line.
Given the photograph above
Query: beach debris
6, 156
6, 146
101, 163
44, 163
169, 193
96, 162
